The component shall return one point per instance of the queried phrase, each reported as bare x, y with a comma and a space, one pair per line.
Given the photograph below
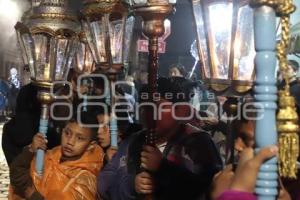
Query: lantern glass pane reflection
244, 51
106, 35
65, 51
84, 61
220, 16
203, 50
128, 36
42, 47
28, 43
225, 40
95, 35
116, 39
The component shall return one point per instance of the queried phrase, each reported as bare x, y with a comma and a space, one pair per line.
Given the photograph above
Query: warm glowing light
220, 17
9, 9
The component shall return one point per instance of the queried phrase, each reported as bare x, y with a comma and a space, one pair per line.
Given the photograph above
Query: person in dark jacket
180, 166
19, 131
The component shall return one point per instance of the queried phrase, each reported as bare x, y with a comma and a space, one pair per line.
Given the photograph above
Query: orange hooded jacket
69, 180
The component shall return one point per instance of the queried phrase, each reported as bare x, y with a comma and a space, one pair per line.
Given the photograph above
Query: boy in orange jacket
70, 169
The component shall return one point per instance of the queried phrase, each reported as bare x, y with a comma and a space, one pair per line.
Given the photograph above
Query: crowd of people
81, 163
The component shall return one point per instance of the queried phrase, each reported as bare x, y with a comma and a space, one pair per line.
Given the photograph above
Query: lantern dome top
53, 14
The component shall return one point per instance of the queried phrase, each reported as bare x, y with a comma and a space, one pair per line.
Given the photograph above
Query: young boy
180, 166
70, 169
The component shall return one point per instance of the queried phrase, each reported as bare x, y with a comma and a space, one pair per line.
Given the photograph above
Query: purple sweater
236, 195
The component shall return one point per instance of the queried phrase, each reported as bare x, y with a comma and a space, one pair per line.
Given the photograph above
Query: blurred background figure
177, 70
4, 90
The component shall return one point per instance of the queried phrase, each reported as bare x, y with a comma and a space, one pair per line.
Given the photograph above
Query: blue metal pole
113, 126
85, 83
265, 97
113, 131
43, 128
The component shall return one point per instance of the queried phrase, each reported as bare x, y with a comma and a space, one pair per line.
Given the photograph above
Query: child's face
75, 139
103, 130
245, 137
174, 72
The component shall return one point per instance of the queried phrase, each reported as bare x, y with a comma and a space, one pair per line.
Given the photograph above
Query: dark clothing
20, 177
295, 92
189, 164
114, 182
19, 131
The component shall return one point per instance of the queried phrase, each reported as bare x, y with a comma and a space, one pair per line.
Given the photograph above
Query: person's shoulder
193, 132
137, 136
53, 154
198, 138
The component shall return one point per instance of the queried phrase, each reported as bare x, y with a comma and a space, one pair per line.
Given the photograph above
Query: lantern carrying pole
265, 97
47, 38
153, 15
46, 99
108, 47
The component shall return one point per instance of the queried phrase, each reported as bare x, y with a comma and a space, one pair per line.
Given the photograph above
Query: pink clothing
236, 195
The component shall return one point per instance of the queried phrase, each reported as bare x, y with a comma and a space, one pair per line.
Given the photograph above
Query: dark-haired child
70, 169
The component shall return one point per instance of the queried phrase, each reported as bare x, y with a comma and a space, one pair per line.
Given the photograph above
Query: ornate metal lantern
108, 32
226, 44
48, 39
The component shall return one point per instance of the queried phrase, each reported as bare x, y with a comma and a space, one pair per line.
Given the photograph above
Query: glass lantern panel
62, 51
84, 59
116, 39
128, 37
28, 43
139, 2
22, 48
220, 21
42, 56
244, 51
201, 39
89, 38
95, 35
79, 57
89, 62
72, 48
